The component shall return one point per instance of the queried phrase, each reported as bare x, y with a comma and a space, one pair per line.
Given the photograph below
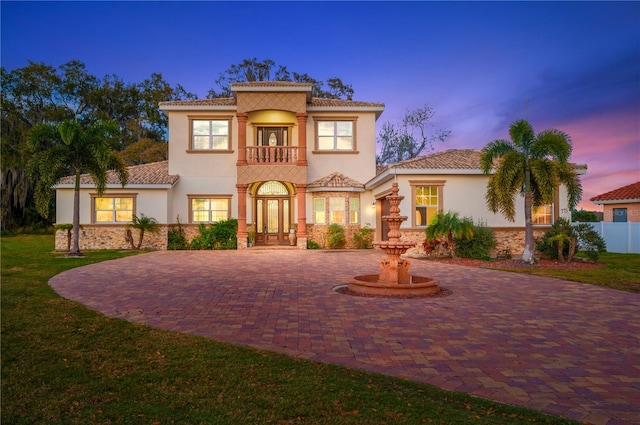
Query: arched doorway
272, 213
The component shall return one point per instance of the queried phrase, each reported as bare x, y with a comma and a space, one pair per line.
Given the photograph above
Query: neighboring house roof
151, 174
335, 182
625, 194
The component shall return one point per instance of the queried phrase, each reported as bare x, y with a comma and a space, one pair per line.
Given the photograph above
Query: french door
272, 220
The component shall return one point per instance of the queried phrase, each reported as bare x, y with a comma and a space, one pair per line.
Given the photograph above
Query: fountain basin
370, 284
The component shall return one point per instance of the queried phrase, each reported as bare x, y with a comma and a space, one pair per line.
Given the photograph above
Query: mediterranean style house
285, 164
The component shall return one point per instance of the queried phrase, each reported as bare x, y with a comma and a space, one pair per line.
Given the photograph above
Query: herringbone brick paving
560, 347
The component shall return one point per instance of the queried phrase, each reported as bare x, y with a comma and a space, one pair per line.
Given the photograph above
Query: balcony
272, 155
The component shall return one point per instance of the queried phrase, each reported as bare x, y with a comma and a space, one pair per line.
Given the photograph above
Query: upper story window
113, 209
542, 214
210, 134
335, 136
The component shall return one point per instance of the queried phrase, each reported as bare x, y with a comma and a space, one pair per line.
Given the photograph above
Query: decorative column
301, 190
242, 138
302, 139
242, 216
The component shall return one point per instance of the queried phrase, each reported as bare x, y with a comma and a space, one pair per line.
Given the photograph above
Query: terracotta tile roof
153, 173
631, 191
219, 101
320, 102
315, 102
334, 180
272, 84
453, 159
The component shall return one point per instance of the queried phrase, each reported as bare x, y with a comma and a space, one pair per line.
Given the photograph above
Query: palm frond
492, 152
522, 134
552, 143
544, 179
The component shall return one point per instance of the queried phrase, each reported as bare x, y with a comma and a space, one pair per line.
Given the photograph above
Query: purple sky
574, 66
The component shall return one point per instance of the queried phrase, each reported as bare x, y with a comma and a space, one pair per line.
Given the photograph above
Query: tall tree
410, 139
251, 70
531, 165
70, 148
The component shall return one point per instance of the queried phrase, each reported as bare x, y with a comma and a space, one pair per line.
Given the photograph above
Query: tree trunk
140, 239
527, 254
75, 249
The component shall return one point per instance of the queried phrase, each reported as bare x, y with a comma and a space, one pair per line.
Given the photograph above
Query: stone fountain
394, 278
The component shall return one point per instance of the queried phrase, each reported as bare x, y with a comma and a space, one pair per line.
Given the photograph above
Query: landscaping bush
548, 244
478, 246
176, 238
335, 237
312, 244
220, 235
589, 241
583, 236
364, 238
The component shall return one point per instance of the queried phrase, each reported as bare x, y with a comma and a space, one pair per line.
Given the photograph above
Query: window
209, 210
335, 136
542, 214
427, 204
620, 215
113, 210
318, 211
210, 135
354, 210
336, 210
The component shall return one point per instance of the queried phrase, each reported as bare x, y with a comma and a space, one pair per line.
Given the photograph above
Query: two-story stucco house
284, 163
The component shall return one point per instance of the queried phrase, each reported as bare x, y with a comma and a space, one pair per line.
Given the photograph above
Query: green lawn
620, 271
65, 364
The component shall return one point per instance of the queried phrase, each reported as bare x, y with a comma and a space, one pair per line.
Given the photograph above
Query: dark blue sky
574, 66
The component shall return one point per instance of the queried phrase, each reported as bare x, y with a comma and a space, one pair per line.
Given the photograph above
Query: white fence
620, 237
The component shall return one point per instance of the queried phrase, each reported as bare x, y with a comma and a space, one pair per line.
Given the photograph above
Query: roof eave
117, 186
198, 108
335, 189
616, 201
376, 109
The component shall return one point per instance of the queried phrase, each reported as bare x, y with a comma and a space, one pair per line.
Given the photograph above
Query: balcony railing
272, 155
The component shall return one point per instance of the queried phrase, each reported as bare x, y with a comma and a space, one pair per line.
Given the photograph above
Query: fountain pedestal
394, 278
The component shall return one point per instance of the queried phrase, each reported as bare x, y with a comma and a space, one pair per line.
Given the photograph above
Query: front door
272, 207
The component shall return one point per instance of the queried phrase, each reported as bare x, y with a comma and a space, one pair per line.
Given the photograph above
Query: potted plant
251, 236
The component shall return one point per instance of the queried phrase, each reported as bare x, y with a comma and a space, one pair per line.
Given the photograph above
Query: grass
65, 364
620, 271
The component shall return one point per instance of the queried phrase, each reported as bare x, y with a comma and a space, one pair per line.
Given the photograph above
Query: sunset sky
574, 66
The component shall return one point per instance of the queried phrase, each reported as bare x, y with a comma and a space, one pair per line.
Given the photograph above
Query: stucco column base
242, 242
302, 243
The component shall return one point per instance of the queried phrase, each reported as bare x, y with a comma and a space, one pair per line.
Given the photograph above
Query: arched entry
273, 213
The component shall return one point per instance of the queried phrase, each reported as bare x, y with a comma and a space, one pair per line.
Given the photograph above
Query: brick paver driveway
563, 348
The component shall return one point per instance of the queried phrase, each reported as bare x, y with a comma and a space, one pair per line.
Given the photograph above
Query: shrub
478, 246
590, 241
220, 235
436, 248
335, 236
364, 238
176, 238
548, 245
312, 244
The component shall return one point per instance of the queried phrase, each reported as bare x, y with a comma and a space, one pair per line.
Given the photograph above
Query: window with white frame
113, 209
208, 209
427, 204
319, 216
210, 135
336, 210
354, 210
542, 214
335, 136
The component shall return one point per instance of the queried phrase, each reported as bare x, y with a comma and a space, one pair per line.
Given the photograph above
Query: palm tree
450, 226
143, 224
531, 165
69, 148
